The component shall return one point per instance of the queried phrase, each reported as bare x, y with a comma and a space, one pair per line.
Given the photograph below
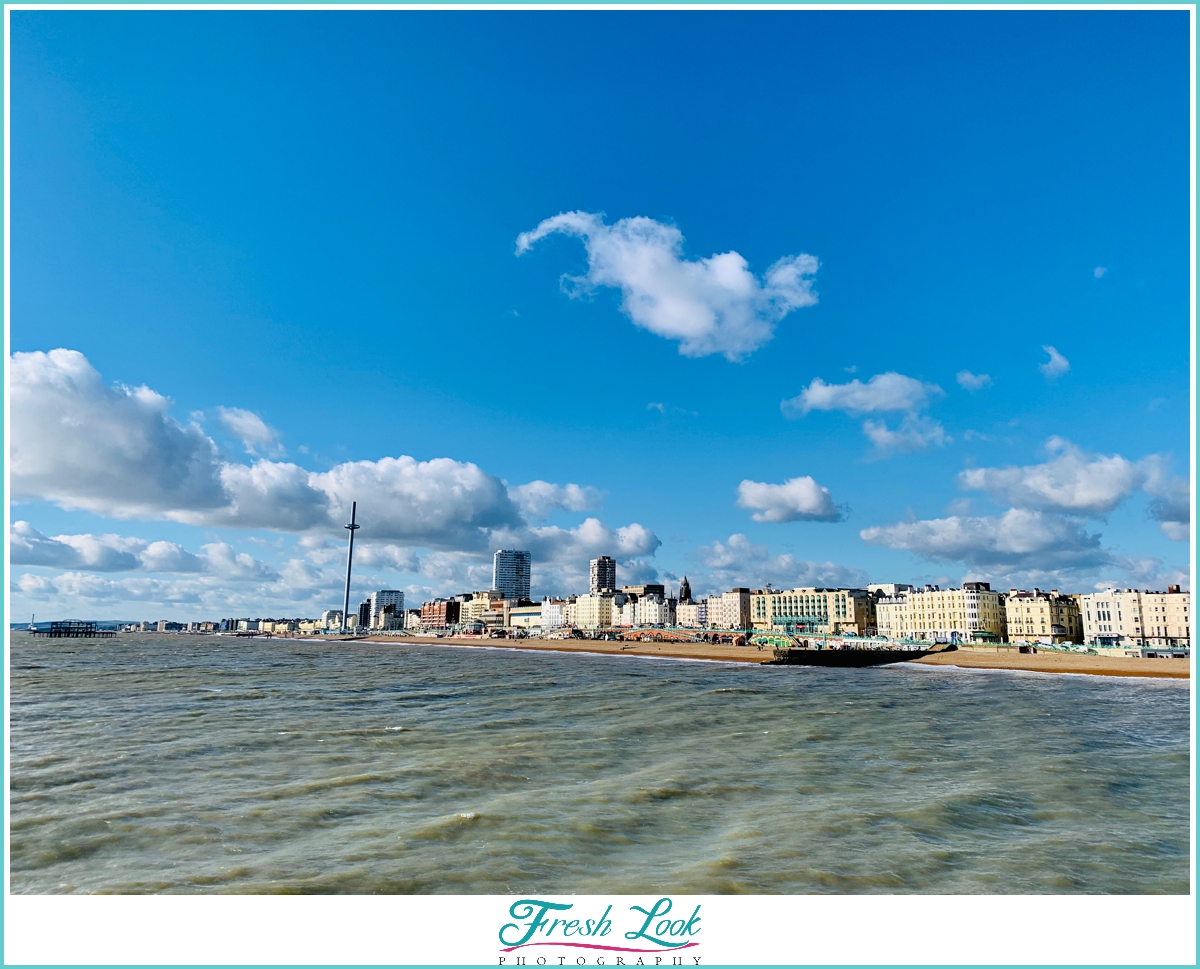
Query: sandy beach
1002, 659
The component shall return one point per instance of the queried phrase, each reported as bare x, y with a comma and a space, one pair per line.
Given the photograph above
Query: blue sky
313, 217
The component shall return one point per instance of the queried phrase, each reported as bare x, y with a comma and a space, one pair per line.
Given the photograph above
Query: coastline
999, 659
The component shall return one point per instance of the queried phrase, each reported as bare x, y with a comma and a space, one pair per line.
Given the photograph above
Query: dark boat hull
846, 657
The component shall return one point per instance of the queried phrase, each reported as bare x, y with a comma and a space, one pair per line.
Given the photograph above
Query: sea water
171, 763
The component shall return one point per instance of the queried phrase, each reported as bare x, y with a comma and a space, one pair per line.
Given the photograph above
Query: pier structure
73, 629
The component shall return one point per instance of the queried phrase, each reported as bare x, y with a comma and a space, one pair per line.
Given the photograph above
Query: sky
807, 298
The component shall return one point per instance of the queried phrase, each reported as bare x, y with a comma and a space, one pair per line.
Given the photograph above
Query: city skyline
883, 329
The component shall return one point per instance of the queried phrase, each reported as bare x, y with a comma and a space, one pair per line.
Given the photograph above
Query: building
1042, 617
569, 611
552, 613
331, 619
440, 613
653, 610
364, 614
730, 610
603, 572
527, 618
649, 589
685, 590
379, 600
593, 610
1137, 619
510, 573
692, 615
973, 614
813, 610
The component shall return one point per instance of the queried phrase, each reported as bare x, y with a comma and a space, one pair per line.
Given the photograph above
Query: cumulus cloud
80, 444
972, 381
740, 562
914, 431
117, 553
1018, 539
713, 305
537, 500
1056, 366
797, 499
1099, 271
251, 430
1075, 482
115, 451
882, 393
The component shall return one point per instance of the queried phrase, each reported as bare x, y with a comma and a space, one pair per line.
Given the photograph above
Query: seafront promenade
965, 658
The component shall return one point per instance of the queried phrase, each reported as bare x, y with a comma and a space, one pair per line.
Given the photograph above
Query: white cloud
116, 553
113, 451
1075, 482
797, 499
884, 392
1099, 271
740, 562
251, 430
1071, 481
538, 499
915, 431
713, 305
1018, 539
1056, 365
972, 381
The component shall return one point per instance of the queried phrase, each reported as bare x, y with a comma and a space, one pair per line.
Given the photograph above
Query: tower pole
351, 528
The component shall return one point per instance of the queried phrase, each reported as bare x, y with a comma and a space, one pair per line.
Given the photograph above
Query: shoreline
987, 659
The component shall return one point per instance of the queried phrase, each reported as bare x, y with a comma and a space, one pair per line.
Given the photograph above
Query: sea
204, 764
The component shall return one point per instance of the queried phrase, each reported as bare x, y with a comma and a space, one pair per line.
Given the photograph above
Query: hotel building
812, 610
1042, 617
972, 614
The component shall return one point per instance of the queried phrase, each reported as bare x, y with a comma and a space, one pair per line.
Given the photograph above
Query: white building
510, 573
552, 613
654, 610
331, 619
528, 618
384, 597
593, 610
1137, 619
730, 610
692, 615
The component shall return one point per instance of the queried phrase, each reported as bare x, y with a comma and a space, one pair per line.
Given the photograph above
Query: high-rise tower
510, 573
603, 573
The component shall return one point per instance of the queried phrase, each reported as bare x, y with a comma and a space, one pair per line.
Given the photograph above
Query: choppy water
201, 764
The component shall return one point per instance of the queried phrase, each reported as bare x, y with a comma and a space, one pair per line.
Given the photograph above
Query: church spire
685, 591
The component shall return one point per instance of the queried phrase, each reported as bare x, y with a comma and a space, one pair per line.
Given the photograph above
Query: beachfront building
552, 613
510, 573
440, 613
527, 618
1042, 617
569, 611
654, 610
730, 610
813, 610
593, 610
603, 574
331, 619
973, 614
381, 600
881, 589
1137, 619
692, 615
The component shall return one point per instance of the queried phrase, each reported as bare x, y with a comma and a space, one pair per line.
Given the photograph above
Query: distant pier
73, 629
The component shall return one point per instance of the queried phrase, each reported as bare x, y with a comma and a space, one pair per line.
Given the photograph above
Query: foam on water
202, 764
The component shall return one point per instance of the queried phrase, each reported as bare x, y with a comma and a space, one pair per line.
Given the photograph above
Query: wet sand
1006, 659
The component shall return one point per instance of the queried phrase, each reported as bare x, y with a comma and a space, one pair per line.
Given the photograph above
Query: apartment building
654, 610
692, 615
440, 613
1133, 618
730, 610
1042, 617
593, 610
603, 574
378, 601
552, 613
510, 573
972, 614
813, 610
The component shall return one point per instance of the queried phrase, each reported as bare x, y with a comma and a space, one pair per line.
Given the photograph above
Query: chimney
1173, 590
